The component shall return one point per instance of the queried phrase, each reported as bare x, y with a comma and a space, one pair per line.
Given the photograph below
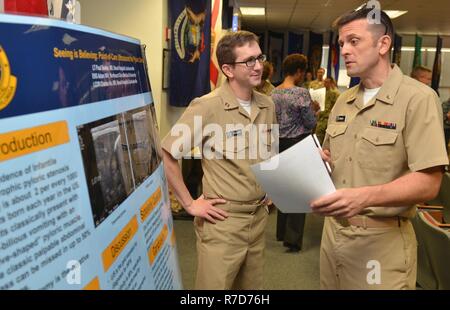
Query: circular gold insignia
8, 82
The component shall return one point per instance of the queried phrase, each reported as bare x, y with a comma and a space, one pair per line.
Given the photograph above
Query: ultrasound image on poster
119, 154
141, 144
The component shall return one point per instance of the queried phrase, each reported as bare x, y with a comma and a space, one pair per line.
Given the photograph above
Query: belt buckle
263, 200
261, 203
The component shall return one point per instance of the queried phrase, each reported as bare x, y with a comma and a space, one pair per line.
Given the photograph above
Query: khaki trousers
231, 253
354, 257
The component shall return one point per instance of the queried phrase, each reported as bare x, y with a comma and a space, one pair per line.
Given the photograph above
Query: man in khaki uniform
319, 82
331, 97
422, 74
385, 145
425, 75
266, 86
231, 215
308, 80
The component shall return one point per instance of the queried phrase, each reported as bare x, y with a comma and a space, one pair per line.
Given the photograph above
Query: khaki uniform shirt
306, 84
229, 178
316, 84
397, 132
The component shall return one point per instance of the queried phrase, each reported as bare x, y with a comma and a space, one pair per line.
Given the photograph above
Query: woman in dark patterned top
446, 110
296, 114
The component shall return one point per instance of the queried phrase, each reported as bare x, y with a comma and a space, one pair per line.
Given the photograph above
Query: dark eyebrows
353, 35
349, 37
253, 57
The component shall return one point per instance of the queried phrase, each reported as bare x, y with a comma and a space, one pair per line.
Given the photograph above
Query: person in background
422, 74
319, 82
425, 75
266, 87
307, 81
330, 99
296, 118
446, 110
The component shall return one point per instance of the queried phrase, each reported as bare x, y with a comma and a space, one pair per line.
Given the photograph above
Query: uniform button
350, 159
344, 182
334, 132
356, 136
227, 104
377, 139
388, 96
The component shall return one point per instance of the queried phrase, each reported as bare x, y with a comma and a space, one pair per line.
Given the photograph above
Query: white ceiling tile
430, 16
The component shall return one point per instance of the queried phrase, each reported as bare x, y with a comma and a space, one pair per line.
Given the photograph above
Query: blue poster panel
83, 196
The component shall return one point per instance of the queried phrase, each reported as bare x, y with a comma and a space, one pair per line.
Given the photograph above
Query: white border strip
31, 20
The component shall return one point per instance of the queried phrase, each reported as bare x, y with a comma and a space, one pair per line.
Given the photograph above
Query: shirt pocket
376, 148
336, 133
236, 147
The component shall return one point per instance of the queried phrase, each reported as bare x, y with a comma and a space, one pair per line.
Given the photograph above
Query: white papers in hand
319, 95
298, 177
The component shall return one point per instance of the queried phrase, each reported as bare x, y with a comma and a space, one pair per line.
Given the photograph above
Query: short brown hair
416, 70
294, 62
225, 48
364, 13
266, 70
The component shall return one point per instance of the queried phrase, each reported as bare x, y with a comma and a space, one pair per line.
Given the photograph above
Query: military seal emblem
8, 82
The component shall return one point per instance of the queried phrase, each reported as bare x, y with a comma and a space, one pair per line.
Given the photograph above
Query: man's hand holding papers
298, 177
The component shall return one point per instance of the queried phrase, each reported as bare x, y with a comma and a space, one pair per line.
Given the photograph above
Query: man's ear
227, 70
385, 42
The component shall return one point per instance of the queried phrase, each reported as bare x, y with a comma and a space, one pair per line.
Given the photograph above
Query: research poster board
83, 197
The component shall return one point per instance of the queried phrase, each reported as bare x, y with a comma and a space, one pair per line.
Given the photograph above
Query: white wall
145, 20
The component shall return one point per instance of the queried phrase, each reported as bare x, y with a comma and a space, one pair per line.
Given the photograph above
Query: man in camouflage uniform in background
332, 95
319, 82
